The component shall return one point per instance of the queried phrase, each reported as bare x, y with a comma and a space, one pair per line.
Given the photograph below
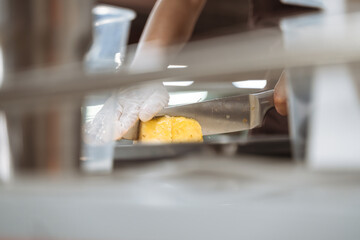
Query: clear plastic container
111, 32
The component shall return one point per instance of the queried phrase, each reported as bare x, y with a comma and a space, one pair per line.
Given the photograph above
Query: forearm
169, 26
172, 21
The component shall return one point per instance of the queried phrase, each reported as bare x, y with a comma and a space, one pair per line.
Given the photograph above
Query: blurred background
260, 176
219, 18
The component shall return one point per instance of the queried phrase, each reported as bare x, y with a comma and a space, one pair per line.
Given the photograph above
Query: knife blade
222, 115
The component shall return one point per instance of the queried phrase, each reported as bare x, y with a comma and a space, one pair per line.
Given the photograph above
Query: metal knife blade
223, 115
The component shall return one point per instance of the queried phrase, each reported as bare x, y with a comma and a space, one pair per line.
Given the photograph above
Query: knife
222, 115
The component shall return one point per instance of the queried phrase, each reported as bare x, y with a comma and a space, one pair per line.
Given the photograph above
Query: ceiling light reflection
253, 84
180, 98
177, 66
179, 83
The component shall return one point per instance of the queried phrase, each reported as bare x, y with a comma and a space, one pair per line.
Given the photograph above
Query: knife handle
260, 103
266, 100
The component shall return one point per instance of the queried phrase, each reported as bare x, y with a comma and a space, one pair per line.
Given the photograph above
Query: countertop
196, 197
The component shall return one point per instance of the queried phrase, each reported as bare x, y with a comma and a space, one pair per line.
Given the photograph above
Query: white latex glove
124, 108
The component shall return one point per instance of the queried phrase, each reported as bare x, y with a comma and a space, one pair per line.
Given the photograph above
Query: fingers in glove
156, 102
99, 130
126, 121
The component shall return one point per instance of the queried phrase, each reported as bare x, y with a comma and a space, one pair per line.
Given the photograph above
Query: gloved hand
124, 108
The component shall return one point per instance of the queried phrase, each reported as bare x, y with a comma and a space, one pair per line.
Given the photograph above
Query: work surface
197, 197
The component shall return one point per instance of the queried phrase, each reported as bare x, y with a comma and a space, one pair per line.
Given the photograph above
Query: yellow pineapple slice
185, 130
157, 130
170, 130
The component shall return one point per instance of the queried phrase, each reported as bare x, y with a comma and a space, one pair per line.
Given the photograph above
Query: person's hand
124, 108
280, 96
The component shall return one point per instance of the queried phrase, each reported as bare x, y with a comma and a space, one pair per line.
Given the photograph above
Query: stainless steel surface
145, 152
231, 114
221, 144
37, 36
43, 33
45, 139
199, 197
